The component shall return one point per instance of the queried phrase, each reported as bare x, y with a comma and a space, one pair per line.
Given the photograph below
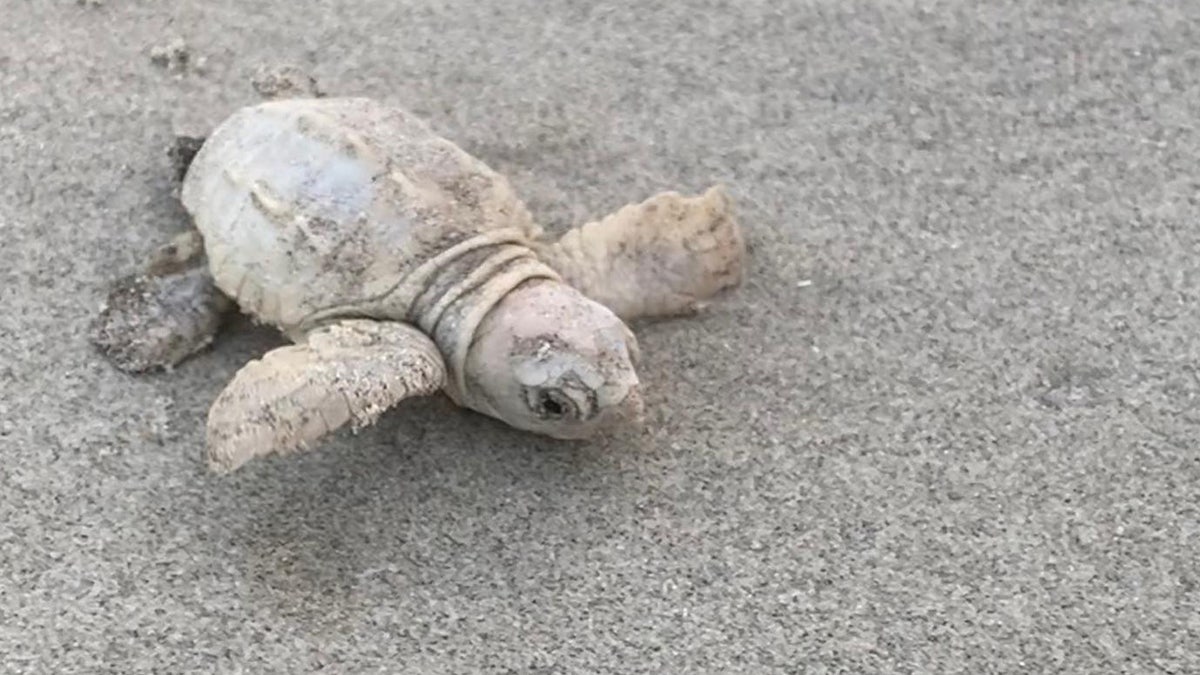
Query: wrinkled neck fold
461, 291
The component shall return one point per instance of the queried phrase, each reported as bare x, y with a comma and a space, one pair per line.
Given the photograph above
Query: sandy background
948, 425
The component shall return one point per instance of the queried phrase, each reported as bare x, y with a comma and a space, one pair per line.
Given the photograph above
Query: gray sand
948, 425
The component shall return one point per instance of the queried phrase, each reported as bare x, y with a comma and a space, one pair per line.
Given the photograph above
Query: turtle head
549, 360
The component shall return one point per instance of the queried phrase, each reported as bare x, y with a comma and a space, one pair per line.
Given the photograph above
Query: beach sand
948, 424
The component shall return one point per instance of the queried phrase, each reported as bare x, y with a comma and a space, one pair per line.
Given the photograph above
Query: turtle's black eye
551, 404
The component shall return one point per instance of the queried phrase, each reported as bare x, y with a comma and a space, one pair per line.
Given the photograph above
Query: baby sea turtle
398, 265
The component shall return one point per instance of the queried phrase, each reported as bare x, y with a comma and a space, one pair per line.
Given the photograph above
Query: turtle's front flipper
350, 371
163, 314
662, 257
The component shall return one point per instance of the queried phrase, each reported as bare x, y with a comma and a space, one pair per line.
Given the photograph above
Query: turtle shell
311, 208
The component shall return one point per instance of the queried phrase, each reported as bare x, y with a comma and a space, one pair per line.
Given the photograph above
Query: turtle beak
631, 346
632, 410
622, 422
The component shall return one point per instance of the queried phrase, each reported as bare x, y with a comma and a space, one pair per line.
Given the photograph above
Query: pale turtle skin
398, 265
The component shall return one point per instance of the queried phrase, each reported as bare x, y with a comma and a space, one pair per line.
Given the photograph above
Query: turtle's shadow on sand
418, 496
427, 492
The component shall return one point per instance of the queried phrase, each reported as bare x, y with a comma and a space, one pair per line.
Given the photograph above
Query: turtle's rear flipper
182, 151
282, 81
158, 317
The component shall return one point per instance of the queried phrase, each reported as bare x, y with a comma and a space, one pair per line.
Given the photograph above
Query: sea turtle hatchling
398, 265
